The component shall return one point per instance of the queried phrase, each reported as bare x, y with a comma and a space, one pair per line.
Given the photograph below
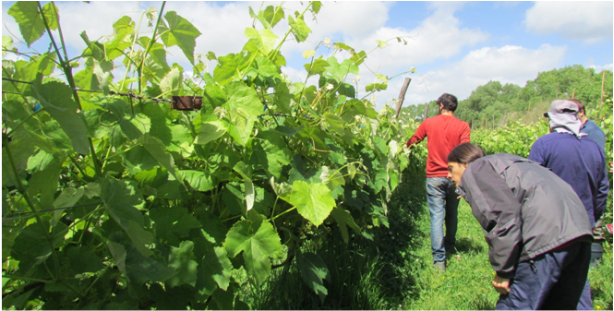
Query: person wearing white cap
578, 160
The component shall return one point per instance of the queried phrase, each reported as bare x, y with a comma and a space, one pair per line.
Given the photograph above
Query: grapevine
112, 201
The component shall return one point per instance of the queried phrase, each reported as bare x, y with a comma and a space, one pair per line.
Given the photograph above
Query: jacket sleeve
498, 212
600, 199
466, 134
418, 135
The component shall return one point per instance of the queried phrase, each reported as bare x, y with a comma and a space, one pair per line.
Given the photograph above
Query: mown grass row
394, 271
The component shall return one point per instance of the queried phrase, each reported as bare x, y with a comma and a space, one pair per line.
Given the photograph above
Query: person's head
460, 157
562, 115
447, 102
581, 109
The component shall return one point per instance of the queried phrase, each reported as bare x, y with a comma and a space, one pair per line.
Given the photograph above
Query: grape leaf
229, 66
183, 260
180, 32
273, 14
210, 131
82, 259
313, 201
30, 21
121, 200
258, 241
344, 219
173, 224
214, 270
171, 83
264, 39
156, 149
31, 247
299, 29
244, 106
69, 197
198, 180
270, 153
57, 99
313, 272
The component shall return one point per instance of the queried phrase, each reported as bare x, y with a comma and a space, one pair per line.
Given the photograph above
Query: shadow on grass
364, 274
467, 245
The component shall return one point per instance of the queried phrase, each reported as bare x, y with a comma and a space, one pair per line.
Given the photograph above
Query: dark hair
465, 153
448, 100
579, 103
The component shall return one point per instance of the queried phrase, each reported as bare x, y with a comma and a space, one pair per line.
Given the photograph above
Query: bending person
537, 229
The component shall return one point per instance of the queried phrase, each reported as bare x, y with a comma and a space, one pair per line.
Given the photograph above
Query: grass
394, 271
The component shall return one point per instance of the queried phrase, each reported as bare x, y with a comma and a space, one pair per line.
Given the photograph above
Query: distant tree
494, 99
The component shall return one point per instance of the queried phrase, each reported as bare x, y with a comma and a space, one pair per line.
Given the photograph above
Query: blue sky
455, 46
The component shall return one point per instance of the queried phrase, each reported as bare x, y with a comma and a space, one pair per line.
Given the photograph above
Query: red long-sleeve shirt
444, 133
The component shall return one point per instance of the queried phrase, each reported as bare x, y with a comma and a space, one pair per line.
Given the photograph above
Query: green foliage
179, 32
116, 202
494, 105
515, 138
119, 202
31, 22
313, 201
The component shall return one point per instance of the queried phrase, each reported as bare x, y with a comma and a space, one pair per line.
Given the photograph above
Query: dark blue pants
554, 280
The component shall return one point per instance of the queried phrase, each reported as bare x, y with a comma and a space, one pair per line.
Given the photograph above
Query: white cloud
96, 19
350, 19
586, 21
222, 27
599, 69
345, 19
507, 64
437, 37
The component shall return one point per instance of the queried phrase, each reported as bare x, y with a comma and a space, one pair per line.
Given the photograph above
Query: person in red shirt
444, 133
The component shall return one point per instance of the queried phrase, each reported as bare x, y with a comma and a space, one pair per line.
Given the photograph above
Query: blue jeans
443, 204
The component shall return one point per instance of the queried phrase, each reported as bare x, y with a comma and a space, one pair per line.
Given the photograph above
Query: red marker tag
610, 228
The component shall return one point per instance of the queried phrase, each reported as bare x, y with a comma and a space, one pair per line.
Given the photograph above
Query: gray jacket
524, 208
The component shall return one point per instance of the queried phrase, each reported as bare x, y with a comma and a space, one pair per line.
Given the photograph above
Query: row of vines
113, 200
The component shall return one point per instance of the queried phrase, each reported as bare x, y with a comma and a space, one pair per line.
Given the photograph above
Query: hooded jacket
524, 209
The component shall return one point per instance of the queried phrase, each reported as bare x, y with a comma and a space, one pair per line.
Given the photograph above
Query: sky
454, 46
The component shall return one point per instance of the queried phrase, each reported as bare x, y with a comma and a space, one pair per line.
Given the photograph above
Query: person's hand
502, 285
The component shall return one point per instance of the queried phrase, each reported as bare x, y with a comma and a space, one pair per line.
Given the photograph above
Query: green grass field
394, 271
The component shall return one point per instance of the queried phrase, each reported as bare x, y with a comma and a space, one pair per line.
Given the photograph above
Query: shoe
440, 265
450, 248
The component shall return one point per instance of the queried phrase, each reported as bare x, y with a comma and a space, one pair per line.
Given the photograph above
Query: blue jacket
594, 132
579, 162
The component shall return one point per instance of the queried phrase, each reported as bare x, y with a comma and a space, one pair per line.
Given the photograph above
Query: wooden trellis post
602, 89
402, 96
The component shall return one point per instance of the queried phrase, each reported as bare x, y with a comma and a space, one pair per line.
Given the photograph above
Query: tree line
494, 104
